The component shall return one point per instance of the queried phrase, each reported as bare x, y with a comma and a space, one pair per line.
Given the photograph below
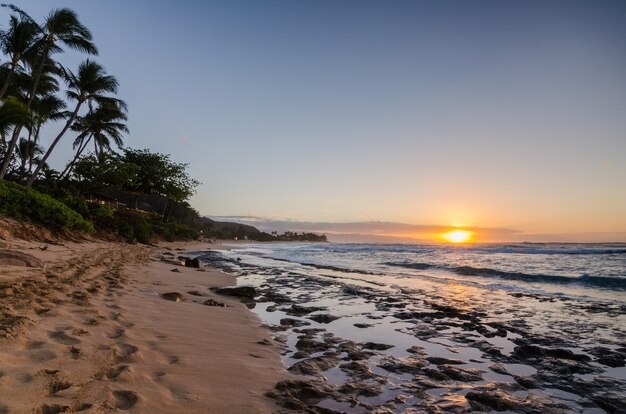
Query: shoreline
90, 332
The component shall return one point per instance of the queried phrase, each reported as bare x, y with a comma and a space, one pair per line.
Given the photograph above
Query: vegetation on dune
24, 203
138, 195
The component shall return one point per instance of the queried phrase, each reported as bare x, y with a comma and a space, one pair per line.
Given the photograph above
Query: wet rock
248, 292
363, 325
213, 302
408, 365
459, 374
315, 366
173, 296
277, 297
608, 357
192, 262
310, 345
534, 351
293, 322
611, 403
300, 394
323, 318
376, 346
298, 310
484, 401
499, 368
441, 361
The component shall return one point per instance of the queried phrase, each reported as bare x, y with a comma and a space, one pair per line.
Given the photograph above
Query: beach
90, 332
410, 328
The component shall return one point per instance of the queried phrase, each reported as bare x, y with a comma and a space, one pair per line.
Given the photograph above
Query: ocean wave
596, 281
549, 250
410, 265
592, 281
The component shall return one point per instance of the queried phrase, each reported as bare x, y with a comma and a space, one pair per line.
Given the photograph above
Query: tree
61, 27
105, 125
89, 84
158, 174
16, 42
12, 112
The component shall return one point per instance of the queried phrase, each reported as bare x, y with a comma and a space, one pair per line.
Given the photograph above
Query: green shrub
24, 203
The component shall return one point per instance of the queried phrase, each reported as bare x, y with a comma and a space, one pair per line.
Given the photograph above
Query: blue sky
496, 114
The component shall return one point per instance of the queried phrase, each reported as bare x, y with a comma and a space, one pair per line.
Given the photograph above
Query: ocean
400, 327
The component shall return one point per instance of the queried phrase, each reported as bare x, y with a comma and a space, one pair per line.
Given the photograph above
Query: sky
502, 116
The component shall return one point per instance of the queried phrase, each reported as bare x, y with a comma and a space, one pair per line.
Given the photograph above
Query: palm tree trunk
69, 166
7, 82
16, 132
35, 140
69, 122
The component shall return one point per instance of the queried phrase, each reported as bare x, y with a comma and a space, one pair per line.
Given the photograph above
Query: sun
457, 236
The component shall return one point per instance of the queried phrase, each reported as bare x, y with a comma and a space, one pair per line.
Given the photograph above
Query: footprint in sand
42, 355
124, 400
113, 373
55, 386
125, 351
160, 373
173, 359
62, 338
116, 333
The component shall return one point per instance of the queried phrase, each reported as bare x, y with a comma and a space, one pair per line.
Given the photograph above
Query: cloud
371, 231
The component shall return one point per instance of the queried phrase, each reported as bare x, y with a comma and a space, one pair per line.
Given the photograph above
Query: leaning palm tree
60, 28
44, 109
12, 113
105, 125
27, 151
16, 42
89, 84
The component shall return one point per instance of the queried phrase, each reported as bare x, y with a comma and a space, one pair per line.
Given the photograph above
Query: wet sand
90, 332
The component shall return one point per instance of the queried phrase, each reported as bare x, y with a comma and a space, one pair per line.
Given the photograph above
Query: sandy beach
90, 332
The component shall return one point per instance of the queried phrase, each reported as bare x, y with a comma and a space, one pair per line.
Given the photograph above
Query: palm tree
88, 85
27, 151
44, 109
12, 112
105, 125
16, 42
61, 27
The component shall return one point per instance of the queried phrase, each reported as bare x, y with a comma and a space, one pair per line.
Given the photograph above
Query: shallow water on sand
391, 341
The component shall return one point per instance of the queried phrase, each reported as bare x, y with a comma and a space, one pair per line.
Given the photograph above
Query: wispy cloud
367, 230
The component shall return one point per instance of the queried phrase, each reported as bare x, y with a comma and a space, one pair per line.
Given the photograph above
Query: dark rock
315, 366
376, 347
323, 318
192, 262
492, 399
362, 325
175, 270
300, 394
173, 296
212, 302
248, 292
196, 293
441, 361
298, 310
293, 322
